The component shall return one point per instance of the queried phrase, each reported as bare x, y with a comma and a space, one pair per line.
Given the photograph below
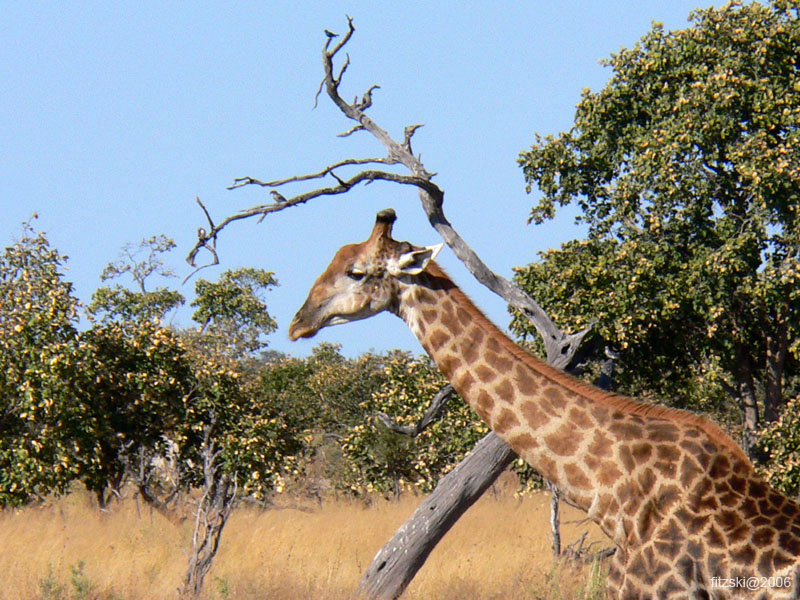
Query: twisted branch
434, 410
560, 347
207, 238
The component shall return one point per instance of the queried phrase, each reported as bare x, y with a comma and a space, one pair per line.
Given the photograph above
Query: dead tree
213, 509
396, 563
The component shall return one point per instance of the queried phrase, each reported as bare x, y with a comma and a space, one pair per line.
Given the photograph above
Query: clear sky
114, 116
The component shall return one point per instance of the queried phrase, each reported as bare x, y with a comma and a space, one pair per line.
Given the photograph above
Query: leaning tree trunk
398, 561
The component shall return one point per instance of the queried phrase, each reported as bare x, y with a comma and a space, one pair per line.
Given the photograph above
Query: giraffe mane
618, 402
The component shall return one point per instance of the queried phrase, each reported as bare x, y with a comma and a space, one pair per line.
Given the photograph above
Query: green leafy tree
77, 403
233, 309
779, 441
339, 386
137, 375
137, 382
686, 170
39, 357
322, 395
258, 442
156, 393
383, 460
234, 441
187, 399
140, 263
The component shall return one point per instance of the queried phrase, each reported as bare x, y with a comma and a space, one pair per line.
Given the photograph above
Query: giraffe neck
669, 487
521, 398
609, 455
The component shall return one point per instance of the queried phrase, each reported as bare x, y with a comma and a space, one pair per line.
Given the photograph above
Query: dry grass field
68, 549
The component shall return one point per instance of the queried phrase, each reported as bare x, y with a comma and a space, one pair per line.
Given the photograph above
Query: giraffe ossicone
688, 512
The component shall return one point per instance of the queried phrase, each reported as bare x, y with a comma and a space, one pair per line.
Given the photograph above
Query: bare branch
434, 410
319, 91
408, 133
366, 99
346, 64
205, 239
333, 52
243, 181
576, 551
350, 31
351, 131
208, 239
560, 347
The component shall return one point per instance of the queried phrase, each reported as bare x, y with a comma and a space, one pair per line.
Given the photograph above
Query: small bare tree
398, 561
213, 509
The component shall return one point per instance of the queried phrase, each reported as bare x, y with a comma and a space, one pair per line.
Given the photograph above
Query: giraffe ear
415, 261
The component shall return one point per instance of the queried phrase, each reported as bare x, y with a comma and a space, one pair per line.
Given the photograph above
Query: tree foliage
214, 399
39, 352
379, 459
233, 309
136, 388
100, 404
779, 441
686, 170
123, 304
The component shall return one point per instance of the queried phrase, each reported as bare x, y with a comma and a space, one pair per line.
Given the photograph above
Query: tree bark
777, 350
213, 510
212, 513
396, 564
555, 520
748, 403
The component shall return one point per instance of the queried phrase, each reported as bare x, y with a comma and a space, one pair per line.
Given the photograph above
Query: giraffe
688, 512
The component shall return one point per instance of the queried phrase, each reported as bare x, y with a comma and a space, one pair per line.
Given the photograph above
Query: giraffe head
362, 280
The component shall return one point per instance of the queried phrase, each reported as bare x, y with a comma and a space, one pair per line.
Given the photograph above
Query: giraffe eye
355, 274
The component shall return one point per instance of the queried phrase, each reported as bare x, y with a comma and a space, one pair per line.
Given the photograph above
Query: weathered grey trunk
213, 509
398, 561
555, 520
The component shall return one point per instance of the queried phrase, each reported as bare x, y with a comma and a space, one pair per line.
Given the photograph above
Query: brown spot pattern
525, 383
580, 418
533, 415
600, 444
607, 473
563, 441
438, 339
464, 383
485, 374
505, 420
505, 390
469, 351
523, 442
576, 477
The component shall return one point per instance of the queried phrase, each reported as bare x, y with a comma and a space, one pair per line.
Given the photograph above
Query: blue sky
114, 116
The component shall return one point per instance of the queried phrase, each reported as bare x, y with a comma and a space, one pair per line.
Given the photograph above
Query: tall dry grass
68, 549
